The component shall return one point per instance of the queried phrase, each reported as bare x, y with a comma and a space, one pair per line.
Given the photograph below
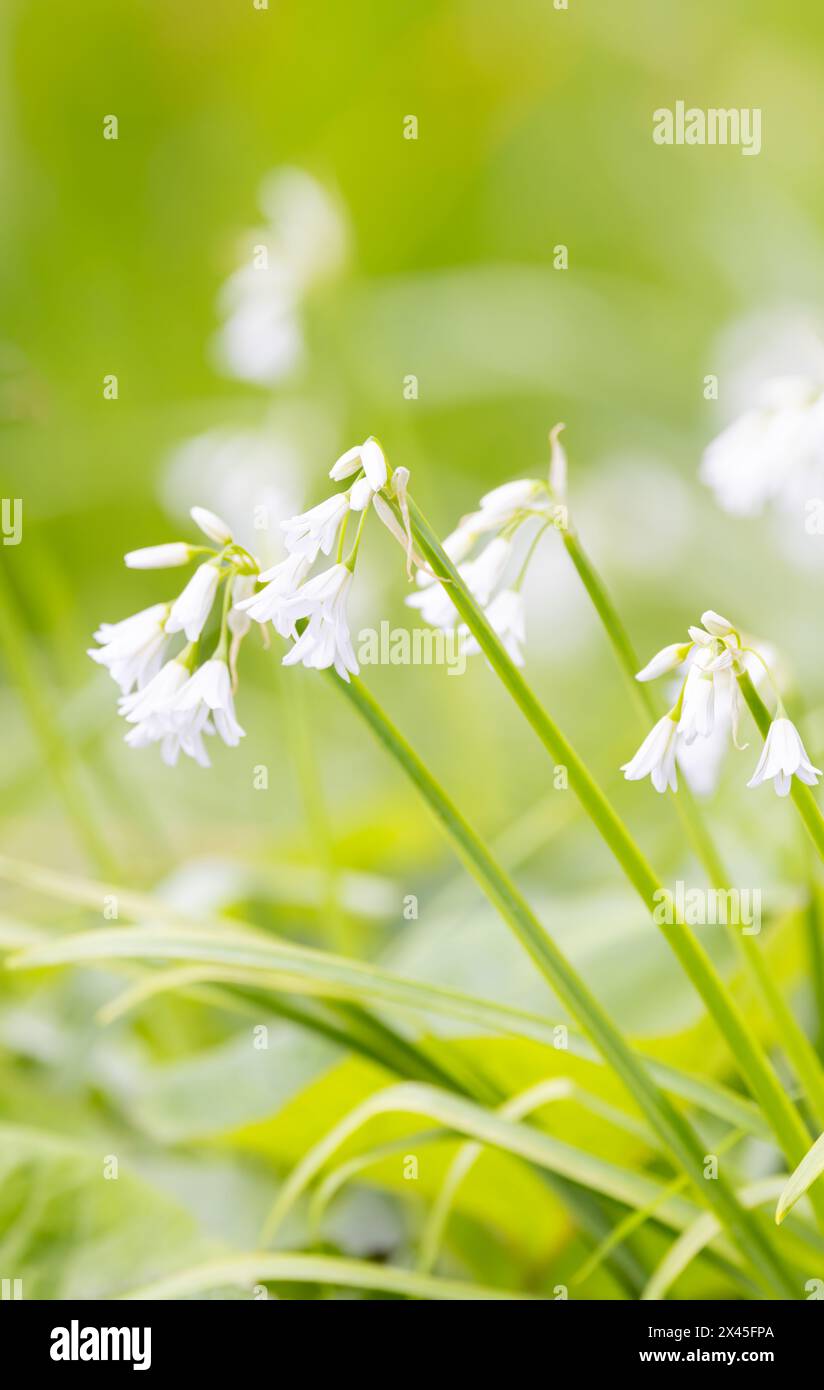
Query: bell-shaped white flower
211, 525
656, 756
368, 456
698, 706
172, 741
270, 605
784, 757
481, 576
132, 649
325, 641
772, 453
207, 693
505, 616
316, 529
192, 607
665, 660
503, 502
159, 557
152, 702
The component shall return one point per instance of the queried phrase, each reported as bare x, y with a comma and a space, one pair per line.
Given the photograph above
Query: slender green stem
672, 1128
806, 1065
755, 1067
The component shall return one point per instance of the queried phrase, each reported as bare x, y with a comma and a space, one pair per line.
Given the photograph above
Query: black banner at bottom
213, 1336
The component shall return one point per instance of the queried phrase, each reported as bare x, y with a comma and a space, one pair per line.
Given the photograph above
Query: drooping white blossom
656, 756
772, 453
317, 529
207, 695
192, 607
784, 757
665, 660
271, 604
325, 641
505, 616
132, 649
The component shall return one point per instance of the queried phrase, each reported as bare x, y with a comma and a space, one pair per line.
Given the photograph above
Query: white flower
270, 604
717, 626
367, 456
150, 703
211, 525
243, 591
207, 692
665, 660
656, 756
698, 705
316, 529
505, 616
192, 607
325, 641
784, 757
774, 452
159, 557
172, 741
132, 649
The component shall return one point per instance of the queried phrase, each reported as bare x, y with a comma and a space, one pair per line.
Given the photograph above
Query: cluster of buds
714, 658
482, 548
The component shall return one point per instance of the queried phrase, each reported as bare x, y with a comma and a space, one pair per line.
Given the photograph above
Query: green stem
765, 1085
802, 1057
674, 1130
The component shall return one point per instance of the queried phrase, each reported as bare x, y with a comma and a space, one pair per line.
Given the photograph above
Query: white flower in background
502, 503
303, 242
133, 648
656, 756
505, 616
207, 693
316, 529
159, 557
774, 452
192, 607
211, 525
325, 641
270, 605
784, 757
483, 574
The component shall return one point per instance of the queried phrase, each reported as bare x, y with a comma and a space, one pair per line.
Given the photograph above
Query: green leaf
809, 1169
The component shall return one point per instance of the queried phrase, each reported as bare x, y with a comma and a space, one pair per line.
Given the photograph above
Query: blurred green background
534, 130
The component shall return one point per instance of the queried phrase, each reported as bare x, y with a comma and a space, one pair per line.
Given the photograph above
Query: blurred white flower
192, 607
132, 649
304, 241
505, 616
325, 641
784, 757
774, 452
656, 756
316, 529
159, 557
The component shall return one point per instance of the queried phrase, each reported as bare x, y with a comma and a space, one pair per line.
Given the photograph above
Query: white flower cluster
714, 657
481, 547
175, 701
